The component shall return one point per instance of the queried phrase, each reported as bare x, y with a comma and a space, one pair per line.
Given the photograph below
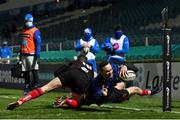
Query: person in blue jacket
5, 53
89, 46
30, 53
116, 47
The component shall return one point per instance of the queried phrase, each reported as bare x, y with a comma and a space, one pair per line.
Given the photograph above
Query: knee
135, 89
120, 86
45, 89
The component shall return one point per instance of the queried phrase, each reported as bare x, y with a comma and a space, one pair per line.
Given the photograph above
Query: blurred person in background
89, 46
117, 46
30, 53
5, 53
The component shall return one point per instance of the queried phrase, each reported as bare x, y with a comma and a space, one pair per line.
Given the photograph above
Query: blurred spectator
89, 46
30, 53
117, 46
5, 53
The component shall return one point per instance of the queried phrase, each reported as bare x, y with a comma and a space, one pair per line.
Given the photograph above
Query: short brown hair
82, 58
102, 64
117, 27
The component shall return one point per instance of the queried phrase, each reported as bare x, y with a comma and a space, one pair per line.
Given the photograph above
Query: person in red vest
30, 53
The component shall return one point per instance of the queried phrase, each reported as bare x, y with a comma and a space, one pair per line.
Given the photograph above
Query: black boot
156, 90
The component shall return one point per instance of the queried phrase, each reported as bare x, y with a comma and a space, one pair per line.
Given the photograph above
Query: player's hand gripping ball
130, 76
86, 49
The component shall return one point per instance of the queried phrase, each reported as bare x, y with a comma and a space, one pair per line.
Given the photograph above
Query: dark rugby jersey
82, 66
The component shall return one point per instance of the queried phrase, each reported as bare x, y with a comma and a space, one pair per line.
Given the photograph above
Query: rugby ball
86, 49
130, 76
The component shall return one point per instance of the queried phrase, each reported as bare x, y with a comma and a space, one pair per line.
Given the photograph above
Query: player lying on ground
75, 76
103, 89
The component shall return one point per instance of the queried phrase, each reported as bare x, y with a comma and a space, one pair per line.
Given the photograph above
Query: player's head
28, 20
87, 33
82, 58
106, 69
4, 43
118, 31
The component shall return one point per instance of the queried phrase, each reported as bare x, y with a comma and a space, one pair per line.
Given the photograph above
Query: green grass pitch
136, 108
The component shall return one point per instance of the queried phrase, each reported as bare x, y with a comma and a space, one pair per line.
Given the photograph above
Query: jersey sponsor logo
25, 35
84, 69
88, 66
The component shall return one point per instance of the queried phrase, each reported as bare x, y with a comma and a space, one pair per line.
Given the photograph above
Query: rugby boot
12, 106
156, 90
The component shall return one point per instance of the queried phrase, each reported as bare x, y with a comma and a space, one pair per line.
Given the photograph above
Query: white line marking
107, 106
135, 109
8, 97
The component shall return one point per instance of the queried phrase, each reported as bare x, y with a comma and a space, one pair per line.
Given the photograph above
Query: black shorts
115, 95
75, 79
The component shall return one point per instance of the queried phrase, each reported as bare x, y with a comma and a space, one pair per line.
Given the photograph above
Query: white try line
134, 109
106, 106
8, 97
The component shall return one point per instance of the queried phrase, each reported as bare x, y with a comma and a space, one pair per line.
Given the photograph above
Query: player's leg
26, 68
55, 83
137, 90
142, 92
120, 85
74, 101
35, 82
33, 62
27, 85
79, 83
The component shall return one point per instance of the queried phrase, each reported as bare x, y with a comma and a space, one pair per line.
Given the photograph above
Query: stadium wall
150, 76
45, 74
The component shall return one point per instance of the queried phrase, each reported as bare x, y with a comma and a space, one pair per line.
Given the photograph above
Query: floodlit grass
136, 108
